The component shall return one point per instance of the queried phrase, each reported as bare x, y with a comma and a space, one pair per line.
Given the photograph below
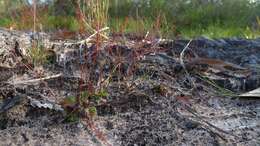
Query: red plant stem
80, 84
91, 125
34, 16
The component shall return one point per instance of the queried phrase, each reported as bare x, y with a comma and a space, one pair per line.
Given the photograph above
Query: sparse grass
95, 13
157, 27
216, 31
131, 25
219, 90
60, 22
38, 55
230, 18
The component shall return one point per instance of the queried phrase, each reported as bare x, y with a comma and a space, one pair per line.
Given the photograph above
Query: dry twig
183, 64
36, 80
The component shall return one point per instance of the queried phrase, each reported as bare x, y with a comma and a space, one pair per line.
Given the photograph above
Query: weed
92, 111
38, 55
94, 14
97, 96
86, 106
72, 117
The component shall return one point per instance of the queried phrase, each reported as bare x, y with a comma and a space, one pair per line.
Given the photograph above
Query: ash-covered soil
157, 97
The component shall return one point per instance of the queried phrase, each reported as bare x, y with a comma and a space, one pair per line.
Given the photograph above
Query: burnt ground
154, 99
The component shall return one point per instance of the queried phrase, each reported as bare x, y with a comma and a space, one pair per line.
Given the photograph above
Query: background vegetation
163, 18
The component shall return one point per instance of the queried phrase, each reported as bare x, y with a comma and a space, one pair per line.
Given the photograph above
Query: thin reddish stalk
34, 16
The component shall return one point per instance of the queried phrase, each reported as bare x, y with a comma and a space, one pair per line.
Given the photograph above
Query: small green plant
86, 106
72, 117
92, 111
102, 93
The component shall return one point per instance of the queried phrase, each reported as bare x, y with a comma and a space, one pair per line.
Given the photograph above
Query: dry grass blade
87, 40
95, 16
34, 16
219, 90
183, 64
91, 36
194, 113
36, 80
